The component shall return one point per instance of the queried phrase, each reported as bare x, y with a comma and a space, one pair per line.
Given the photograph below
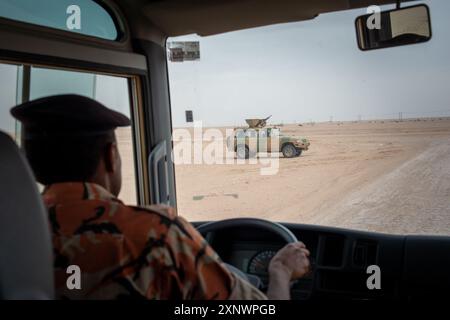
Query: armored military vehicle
248, 141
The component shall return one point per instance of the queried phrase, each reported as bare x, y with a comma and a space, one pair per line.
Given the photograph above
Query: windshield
363, 137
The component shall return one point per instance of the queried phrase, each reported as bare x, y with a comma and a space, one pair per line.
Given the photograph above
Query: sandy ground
124, 141
383, 176
412, 198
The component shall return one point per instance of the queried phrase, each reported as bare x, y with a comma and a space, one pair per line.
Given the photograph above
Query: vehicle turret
257, 123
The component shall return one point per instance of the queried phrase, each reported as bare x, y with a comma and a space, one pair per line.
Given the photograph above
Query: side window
46, 82
112, 91
80, 16
9, 96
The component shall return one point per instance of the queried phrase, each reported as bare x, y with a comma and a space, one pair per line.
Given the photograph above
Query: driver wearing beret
123, 251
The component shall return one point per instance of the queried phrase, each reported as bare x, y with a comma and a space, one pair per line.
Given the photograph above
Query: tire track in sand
414, 198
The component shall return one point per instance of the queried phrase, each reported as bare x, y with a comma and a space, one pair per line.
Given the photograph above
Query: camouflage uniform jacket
132, 252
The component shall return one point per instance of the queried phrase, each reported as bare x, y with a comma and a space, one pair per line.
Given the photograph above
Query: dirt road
413, 198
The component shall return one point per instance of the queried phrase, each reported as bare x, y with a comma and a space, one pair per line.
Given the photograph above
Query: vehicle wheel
299, 152
242, 152
289, 151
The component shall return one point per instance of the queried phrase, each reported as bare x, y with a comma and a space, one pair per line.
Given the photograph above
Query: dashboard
413, 267
339, 260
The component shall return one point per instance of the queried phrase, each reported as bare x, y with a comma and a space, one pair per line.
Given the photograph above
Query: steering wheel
279, 230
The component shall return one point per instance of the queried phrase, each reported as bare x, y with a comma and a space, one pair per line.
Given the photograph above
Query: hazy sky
312, 70
304, 71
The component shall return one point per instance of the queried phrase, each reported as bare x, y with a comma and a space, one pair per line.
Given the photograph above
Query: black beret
67, 115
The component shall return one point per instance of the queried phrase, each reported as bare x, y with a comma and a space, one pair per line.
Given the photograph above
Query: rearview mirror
393, 28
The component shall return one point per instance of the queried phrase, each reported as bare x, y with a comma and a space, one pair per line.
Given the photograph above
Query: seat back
26, 270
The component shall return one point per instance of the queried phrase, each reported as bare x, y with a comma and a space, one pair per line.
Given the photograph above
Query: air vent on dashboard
332, 248
364, 253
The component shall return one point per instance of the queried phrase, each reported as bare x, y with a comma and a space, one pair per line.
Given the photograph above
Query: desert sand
383, 176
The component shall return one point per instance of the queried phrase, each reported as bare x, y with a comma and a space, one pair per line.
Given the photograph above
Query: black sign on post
189, 116
180, 51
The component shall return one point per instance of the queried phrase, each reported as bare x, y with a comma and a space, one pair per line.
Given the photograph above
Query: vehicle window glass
80, 16
9, 97
364, 136
112, 91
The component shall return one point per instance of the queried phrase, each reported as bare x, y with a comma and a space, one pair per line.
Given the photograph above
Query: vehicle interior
122, 53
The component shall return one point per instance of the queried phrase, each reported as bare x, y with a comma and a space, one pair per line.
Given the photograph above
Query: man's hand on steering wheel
292, 259
290, 263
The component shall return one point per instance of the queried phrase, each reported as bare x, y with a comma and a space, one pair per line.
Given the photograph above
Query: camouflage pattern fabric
131, 252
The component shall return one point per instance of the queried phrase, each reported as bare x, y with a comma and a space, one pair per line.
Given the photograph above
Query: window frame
50, 48
138, 134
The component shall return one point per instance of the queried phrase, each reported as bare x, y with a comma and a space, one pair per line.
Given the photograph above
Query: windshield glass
363, 137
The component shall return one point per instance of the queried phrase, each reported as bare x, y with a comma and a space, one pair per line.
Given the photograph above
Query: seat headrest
26, 270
